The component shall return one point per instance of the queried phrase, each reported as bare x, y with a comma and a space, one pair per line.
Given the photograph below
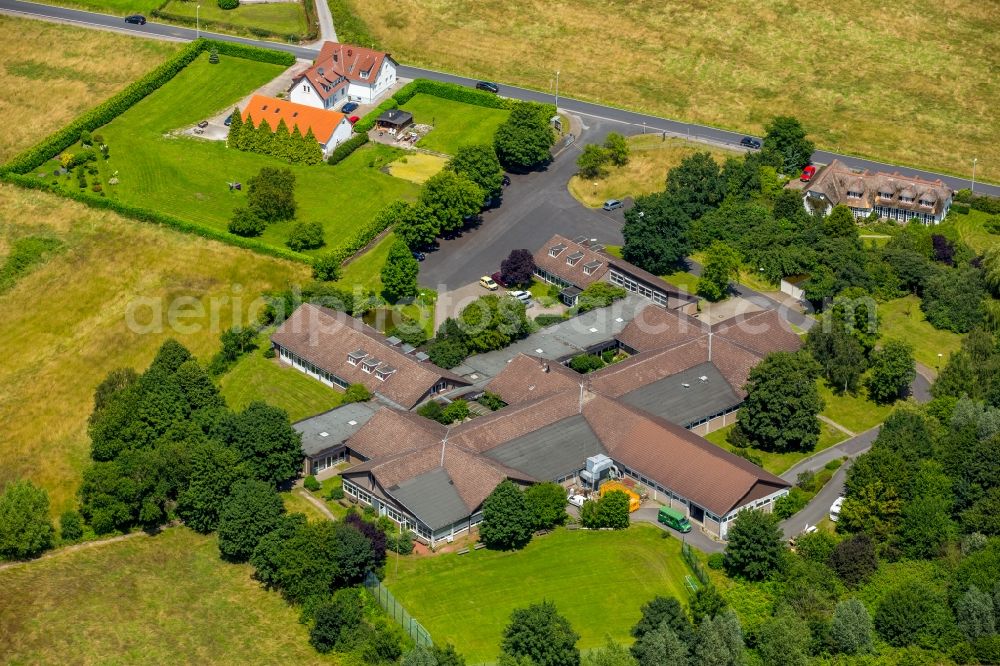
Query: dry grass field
911, 83
650, 158
51, 73
65, 324
167, 599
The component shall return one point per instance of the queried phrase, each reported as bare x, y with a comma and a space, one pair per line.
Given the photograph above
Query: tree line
289, 145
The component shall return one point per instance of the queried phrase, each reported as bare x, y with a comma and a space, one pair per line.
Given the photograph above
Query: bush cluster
228, 4
341, 152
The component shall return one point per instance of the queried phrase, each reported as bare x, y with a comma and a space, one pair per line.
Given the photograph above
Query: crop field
455, 124
598, 580
147, 600
650, 158
915, 85
67, 322
85, 66
188, 177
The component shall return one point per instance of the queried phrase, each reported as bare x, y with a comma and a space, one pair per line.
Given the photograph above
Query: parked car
353, 119
506, 180
808, 173
835, 509
498, 278
419, 256
750, 142
229, 120
203, 124
350, 106
488, 87
577, 500
612, 204
137, 19
673, 518
487, 283
523, 296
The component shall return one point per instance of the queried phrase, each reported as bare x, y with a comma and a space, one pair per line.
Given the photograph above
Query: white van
835, 509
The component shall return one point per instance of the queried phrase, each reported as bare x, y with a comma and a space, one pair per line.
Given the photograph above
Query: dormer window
885, 195
556, 250
356, 356
588, 269
574, 258
854, 194
906, 199
384, 372
369, 364
926, 202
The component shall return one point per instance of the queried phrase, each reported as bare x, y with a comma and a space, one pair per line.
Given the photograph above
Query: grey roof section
337, 425
432, 498
556, 342
668, 398
551, 452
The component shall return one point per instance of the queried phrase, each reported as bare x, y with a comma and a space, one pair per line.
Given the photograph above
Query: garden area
456, 124
188, 177
597, 579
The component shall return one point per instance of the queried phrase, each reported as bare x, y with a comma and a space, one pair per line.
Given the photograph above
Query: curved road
648, 123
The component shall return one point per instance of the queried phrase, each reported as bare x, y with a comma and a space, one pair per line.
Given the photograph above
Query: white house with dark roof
344, 73
890, 196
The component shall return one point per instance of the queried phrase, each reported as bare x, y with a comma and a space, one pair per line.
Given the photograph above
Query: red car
808, 173
353, 119
496, 278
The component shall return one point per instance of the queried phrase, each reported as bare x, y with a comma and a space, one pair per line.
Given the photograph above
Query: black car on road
750, 142
488, 87
137, 19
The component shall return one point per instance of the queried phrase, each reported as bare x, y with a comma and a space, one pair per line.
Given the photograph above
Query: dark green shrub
269, 352
85, 138
456, 411
452, 92
357, 393
834, 464
992, 224
70, 526
430, 410
716, 561
341, 152
246, 222
400, 543
311, 484
549, 319
213, 56
585, 363
305, 236
963, 209
491, 401
327, 267
336, 493
792, 503
228, 4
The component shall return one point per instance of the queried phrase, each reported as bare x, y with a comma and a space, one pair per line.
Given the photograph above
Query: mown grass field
855, 412
912, 86
147, 600
187, 177
285, 18
66, 324
417, 167
455, 124
254, 377
902, 319
776, 463
650, 158
85, 66
971, 230
598, 581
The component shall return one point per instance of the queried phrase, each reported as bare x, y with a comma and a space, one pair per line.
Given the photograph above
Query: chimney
335, 56
545, 367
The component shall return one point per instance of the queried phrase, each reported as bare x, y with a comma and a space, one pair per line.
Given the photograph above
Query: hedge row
312, 21
960, 208
156, 217
135, 92
341, 152
452, 91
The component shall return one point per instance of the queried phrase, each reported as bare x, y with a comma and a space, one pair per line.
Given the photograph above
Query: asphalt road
647, 123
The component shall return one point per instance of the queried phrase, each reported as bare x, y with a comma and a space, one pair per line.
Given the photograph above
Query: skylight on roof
539, 351
593, 330
324, 434
352, 422
619, 319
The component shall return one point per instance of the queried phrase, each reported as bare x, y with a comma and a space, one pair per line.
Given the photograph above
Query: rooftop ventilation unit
685, 385
703, 378
324, 434
352, 422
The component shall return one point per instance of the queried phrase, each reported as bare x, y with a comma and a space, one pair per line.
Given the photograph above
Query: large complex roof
339, 64
341, 345
555, 419
839, 184
322, 123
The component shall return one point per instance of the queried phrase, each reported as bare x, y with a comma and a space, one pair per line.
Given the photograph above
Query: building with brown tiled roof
344, 73
576, 264
340, 350
890, 196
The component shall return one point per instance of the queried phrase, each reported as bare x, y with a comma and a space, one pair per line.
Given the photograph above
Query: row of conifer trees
290, 146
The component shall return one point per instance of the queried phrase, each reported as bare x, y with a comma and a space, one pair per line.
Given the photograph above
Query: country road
648, 123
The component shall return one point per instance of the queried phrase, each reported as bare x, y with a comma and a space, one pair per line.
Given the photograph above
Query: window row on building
310, 369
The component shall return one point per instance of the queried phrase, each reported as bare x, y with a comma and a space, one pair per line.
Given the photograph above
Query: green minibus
675, 519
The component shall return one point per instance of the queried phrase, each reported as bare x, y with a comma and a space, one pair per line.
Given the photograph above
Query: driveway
647, 514
535, 206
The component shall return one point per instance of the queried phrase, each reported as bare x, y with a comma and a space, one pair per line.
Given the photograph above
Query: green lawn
776, 463
417, 167
116, 7
295, 503
147, 600
365, 270
971, 230
598, 580
187, 176
683, 280
257, 378
854, 412
285, 18
902, 319
455, 124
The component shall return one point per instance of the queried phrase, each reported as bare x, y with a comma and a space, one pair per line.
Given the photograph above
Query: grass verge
598, 580
147, 600
776, 463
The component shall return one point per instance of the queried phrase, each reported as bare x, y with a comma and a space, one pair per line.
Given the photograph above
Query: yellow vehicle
488, 283
633, 498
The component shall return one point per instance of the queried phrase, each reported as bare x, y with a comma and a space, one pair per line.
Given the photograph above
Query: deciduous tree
779, 413
399, 273
480, 165
656, 233
617, 148
892, 369
592, 162
786, 141
523, 140
25, 529
755, 546
547, 504
518, 268
540, 633
337, 621
851, 628
722, 265
450, 197
252, 510
271, 193
507, 521
268, 445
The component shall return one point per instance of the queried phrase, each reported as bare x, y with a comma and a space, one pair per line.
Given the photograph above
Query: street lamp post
197, 21
974, 160
557, 90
